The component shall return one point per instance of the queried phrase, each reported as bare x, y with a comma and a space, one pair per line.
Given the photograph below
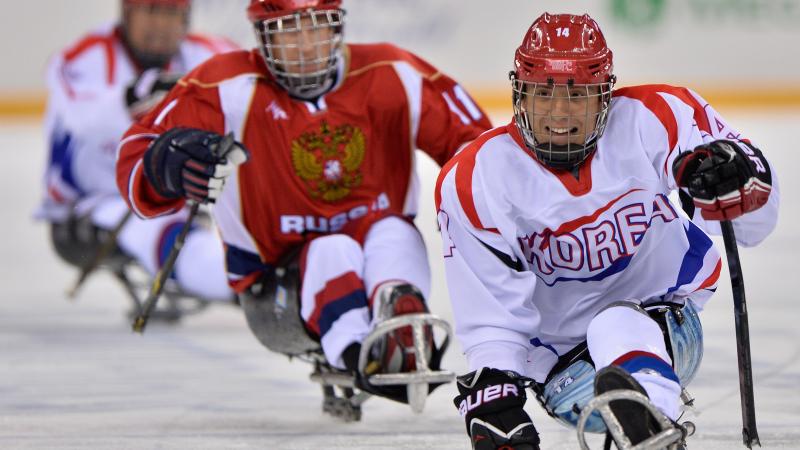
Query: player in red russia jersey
97, 86
317, 224
569, 268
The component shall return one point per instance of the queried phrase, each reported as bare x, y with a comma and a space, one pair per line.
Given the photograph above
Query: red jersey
331, 166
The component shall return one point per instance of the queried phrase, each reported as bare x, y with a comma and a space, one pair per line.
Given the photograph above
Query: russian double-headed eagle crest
329, 160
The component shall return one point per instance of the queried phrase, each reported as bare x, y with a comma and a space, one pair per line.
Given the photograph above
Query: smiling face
562, 114
560, 123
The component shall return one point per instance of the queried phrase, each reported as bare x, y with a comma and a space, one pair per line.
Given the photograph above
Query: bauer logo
559, 66
487, 395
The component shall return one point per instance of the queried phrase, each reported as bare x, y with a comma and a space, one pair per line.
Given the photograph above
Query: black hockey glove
725, 178
147, 90
191, 163
491, 402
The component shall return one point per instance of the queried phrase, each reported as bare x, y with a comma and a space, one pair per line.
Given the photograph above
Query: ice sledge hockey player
97, 87
566, 262
317, 224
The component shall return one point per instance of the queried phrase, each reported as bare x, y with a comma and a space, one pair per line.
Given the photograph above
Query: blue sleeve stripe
692, 264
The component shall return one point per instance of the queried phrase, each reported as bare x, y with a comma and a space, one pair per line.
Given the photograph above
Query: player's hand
725, 178
191, 163
491, 402
147, 91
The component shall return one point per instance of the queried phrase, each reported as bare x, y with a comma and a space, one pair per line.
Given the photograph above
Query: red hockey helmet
269, 9
564, 47
176, 3
301, 42
562, 82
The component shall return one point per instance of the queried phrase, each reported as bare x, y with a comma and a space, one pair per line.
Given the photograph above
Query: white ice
73, 375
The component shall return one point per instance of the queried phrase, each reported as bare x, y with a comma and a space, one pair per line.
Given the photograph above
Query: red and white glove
725, 178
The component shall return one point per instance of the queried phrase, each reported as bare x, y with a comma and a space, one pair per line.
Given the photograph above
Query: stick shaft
220, 150
161, 277
749, 431
101, 254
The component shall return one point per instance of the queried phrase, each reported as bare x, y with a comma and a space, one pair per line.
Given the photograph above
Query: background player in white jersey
97, 86
317, 223
564, 255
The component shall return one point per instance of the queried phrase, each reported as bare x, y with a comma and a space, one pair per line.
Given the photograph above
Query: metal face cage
302, 50
561, 123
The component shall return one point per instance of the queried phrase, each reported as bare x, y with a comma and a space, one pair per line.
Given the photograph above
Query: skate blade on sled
417, 381
670, 437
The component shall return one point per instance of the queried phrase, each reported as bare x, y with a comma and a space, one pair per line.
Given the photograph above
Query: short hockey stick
749, 431
161, 277
140, 322
101, 254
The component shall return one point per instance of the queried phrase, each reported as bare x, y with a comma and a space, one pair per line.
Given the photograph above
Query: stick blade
138, 324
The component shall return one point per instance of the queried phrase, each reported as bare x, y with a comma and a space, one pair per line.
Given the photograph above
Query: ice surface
72, 375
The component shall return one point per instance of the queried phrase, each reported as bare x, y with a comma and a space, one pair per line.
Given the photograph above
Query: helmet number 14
562, 32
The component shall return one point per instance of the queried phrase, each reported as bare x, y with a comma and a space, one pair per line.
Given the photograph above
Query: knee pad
684, 334
568, 391
272, 309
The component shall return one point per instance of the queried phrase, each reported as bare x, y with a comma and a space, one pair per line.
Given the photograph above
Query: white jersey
87, 113
532, 255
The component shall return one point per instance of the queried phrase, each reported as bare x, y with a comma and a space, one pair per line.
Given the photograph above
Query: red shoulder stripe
658, 106
212, 44
648, 95
712, 279
466, 165
699, 110
107, 41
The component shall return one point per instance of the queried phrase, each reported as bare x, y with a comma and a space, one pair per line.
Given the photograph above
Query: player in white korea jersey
96, 87
565, 256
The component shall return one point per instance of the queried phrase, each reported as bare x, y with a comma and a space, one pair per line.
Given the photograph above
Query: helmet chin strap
312, 94
558, 156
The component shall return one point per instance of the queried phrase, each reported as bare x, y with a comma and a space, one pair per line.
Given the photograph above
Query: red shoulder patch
213, 44
466, 166
89, 42
223, 66
365, 56
649, 96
